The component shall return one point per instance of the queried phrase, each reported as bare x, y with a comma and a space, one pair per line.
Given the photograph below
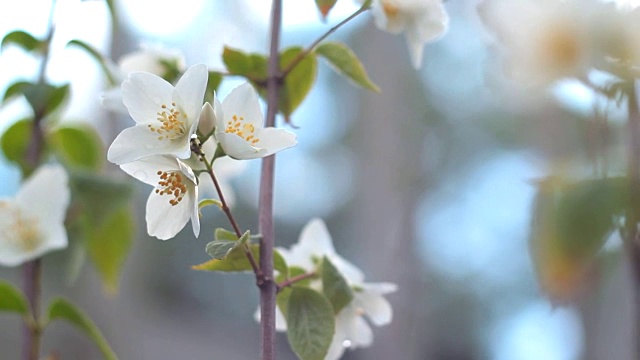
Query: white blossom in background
421, 21
543, 40
352, 330
239, 126
174, 201
166, 117
32, 223
150, 58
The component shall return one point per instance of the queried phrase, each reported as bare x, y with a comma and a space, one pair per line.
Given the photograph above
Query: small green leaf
224, 235
45, 98
219, 249
12, 299
208, 202
215, 78
15, 142
14, 90
298, 82
61, 309
324, 6
310, 323
22, 39
98, 57
346, 63
236, 261
98, 195
334, 286
251, 66
108, 245
77, 146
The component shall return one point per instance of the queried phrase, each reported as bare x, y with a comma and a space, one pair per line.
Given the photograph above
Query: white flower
150, 58
175, 198
421, 21
240, 129
352, 331
544, 40
32, 223
165, 116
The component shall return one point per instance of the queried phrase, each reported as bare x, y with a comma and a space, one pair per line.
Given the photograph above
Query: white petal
189, 91
163, 220
192, 198
138, 142
351, 272
376, 307
228, 167
144, 94
45, 195
314, 241
243, 102
423, 28
112, 101
147, 170
207, 121
237, 148
274, 140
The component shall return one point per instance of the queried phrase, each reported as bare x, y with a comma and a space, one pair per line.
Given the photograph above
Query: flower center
245, 131
171, 184
23, 231
390, 8
172, 123
561, 48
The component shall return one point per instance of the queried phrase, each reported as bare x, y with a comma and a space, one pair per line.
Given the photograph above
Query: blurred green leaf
45, 99
282, 300
13, 90
108, 245
22, 39
346, 63
572, 221
12, 299
215, 78
98, 195
310, 323
298, 82
219, 249
236, 261
334, 286
324, 6
98, 57
251, 66
78, 146
61, 309
15, 142
225, 235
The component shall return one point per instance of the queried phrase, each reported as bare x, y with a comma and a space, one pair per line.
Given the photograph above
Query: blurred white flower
32, 223
544, 40
352, 331
153, 59
421, 21
175, 198
239, 127
165, 116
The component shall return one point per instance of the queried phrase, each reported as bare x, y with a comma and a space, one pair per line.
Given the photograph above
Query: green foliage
213, 82
13, 90
61, 309
236, 261
251, 66
98, 57
15, 143
219, 249
108, 245
44, 99
97, 195
346, 63
208, 202
224, 235
334, 286
310, 323
298, 82
324, 6
77, 146
12, 299
22, 39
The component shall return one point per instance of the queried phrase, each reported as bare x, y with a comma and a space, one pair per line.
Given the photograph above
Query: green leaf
324, 6
213, 82
98, 57
77, 146
98, 195
572, 221
346, 63
44, 99
219, 249
334, 286
251, 66
15, 143
12, 299
236, 261
225, 235
22, 39
61, 309
298, 82
282, 301
108, 245
14, 90
310, 323
208, 202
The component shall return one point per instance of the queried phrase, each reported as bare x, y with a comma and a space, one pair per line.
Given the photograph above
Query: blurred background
429, 184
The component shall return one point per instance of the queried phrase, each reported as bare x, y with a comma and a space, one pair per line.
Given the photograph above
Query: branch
295, 279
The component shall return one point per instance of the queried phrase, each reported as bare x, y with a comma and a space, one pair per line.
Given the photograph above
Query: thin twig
295, 279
